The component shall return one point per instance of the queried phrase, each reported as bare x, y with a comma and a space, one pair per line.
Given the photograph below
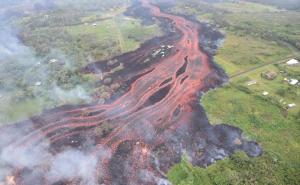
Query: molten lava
142, 133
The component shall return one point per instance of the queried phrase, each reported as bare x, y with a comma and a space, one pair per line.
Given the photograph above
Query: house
269, 75
265, 93
293, 81
53, 61
292, 62
156, 52
291, 105
38, 83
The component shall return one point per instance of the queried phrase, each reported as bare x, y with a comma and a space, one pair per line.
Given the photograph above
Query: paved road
260, 66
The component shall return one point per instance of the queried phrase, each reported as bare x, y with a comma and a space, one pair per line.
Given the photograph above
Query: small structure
292, 62
53, 61
293, 81
291, 105
265, 93
1, 96
94, 24
156, 52
269, 75
252, 82
112, 62
170, 46
38, 83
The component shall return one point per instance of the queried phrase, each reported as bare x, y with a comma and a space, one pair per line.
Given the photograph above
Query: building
53, 61
292, 62
265, 93
269, 75
38, 83
293, 81
291, 105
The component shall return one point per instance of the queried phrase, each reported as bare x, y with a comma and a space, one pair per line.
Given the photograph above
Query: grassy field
265, 119
245, 7
240, 53
127, 33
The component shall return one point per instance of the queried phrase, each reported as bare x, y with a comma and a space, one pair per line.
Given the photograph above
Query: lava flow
138, 136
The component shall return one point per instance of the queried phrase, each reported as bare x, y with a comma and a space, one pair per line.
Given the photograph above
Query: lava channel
137, 137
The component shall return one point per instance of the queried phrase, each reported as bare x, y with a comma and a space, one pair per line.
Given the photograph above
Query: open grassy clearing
245, 7
127, 33
240, 53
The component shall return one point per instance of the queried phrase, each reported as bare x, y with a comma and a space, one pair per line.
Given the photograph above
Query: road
261, 66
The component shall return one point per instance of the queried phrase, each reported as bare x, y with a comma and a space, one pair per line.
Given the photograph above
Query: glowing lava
140, 135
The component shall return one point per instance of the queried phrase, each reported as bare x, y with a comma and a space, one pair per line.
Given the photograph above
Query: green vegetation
125, 33
287, 4
237, 170
257, 40
243, 6
277, 26
72, 34
240, 53
85, 36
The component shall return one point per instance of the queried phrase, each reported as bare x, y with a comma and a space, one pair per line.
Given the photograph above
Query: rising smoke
20, 64
25, 75
39, 161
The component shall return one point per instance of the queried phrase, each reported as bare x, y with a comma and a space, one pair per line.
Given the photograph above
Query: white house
292, 62
38, 83
293, 81
53, 61
291, 105
265, 93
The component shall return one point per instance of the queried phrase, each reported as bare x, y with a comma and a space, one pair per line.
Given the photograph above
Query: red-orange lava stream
140, 135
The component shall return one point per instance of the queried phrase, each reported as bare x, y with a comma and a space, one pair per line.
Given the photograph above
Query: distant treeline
285, 4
